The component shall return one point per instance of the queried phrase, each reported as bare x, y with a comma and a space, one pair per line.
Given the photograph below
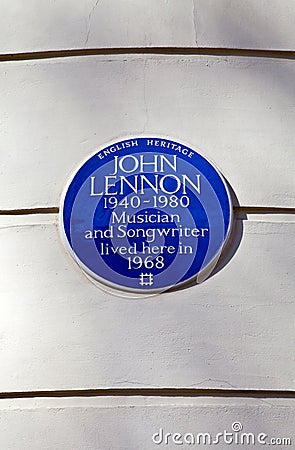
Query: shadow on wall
230, 248
247, 24
234, 239
232, 23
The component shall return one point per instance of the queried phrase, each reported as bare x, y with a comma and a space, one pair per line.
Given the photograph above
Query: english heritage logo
146, 214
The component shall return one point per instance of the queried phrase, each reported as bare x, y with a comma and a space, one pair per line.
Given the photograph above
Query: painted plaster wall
54, 25
58, 331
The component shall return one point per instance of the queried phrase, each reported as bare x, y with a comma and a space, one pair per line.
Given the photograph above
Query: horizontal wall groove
206, 51
29, 211
237, 210
150, 392
263, 210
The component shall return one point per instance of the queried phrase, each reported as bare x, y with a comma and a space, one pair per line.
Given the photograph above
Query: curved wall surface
86, 368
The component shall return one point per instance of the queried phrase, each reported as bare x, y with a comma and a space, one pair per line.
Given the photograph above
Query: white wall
237, 110
124, 423
59, 331
64, 24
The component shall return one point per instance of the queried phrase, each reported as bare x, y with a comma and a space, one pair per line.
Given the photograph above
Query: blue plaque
146, 214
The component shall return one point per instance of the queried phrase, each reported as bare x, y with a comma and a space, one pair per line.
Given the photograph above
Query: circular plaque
146, 214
